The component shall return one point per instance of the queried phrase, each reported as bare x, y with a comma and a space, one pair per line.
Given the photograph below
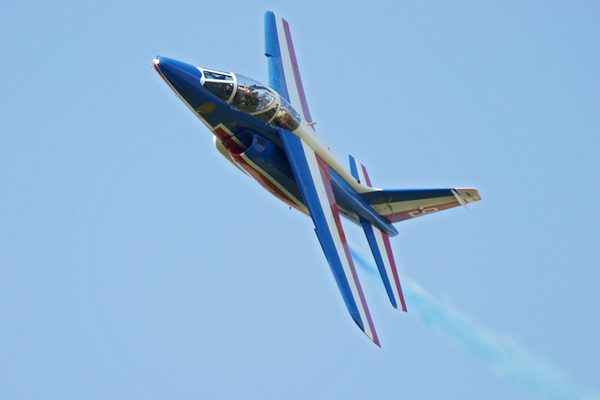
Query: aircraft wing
312, 176
284, 75
400, 205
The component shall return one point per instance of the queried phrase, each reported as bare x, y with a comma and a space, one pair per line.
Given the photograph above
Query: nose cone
183, 79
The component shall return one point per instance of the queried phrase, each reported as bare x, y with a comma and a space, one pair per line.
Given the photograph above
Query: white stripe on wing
288, 70
387, 264
337, 238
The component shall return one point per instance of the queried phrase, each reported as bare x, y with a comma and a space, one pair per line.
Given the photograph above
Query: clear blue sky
136, 262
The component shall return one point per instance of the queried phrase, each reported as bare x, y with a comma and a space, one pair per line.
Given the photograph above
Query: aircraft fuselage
252, 141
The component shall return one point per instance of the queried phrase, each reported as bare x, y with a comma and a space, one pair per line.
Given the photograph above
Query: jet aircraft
267, 132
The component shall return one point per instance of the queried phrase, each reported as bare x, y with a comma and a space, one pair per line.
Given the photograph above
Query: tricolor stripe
359, 172
289, 82
382, 252
312, 175
319, 169
380, 246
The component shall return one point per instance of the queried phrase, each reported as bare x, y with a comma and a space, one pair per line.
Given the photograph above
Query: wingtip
400, 303
401, 308
403, 302
460, 199
370, 333
375, 339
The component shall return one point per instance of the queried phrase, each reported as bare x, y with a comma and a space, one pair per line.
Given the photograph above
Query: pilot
282, 115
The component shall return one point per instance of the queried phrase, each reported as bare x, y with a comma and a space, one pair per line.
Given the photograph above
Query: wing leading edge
312, 176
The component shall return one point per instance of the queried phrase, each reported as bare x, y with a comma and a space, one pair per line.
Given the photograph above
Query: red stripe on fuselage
222, 134
229, 141
233, 146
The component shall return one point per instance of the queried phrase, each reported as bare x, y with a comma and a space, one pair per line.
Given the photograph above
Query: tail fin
380, 247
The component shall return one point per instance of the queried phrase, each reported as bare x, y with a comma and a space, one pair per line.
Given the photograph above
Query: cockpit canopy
252, 97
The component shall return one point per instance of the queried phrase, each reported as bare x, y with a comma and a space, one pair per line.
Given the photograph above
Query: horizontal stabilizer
400, 205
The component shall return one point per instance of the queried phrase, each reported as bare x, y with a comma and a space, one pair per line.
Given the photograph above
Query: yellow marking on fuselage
206, 108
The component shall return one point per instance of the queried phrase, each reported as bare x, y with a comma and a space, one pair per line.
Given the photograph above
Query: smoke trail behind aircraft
504, 356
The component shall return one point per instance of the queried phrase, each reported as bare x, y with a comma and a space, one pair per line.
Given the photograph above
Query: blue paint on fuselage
274, 162
354, 207
185, 80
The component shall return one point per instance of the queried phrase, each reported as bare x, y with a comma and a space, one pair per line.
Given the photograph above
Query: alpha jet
268, 133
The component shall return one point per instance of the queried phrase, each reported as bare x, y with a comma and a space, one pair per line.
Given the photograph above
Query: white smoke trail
504, 356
